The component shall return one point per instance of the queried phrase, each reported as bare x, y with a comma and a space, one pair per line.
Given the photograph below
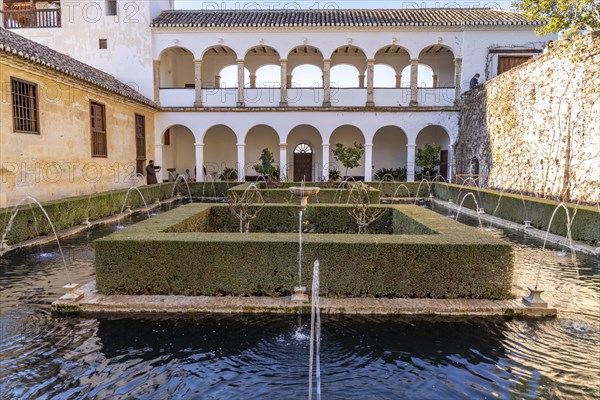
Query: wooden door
302, 167
444, 164
507, 62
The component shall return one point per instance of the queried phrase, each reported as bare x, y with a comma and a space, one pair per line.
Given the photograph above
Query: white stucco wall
129, 53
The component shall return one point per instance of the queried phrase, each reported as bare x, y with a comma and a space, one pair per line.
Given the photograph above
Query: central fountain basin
411, 252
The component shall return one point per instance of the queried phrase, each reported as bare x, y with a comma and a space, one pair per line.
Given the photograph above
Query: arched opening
348, 66
390, 153
394, 57
435, 134
214, 61
178, 153
305, 57
347, 135
258, 138
176, 68
220, 153
266, 60
440, 60
303, 162
305, 135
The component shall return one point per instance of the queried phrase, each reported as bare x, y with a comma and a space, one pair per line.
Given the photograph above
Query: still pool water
266, 356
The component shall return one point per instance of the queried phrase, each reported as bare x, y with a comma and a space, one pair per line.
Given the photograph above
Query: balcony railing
308, 97
47, 18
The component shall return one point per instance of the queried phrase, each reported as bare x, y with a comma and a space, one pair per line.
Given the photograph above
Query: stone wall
536, 128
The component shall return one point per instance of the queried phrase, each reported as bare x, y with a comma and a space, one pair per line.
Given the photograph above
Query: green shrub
454, 262
513, 207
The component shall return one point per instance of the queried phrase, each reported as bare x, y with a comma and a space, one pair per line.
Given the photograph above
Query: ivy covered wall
536, 128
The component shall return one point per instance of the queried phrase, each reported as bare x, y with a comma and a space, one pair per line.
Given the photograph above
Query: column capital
283, 61
159, 145
241, 145
198, 61
457, 60
370, 145
239, 61
327, 60
199, 145
325, 144
370, 61
414, 61
413, 145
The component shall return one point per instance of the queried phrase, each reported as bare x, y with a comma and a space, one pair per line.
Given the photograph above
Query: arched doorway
178, 153
303, 157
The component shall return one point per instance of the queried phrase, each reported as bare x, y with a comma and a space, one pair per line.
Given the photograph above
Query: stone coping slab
95, 303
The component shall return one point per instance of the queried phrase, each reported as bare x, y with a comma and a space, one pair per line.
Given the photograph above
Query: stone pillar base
283, 104
240, 104
370, 104
413, 103
326, 104
198, 104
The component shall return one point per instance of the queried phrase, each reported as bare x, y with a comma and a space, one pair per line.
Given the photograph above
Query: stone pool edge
95, 303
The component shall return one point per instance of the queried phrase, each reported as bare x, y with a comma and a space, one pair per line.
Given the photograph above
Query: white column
241, 83
283, 161
414, 87
326, 161
457, 78
241, 156
411, 157
284, 83
327, 82
361, 81
398, 81
198, 82
199, 162
370, 83
368, 162
158, 160
156, 71
253, 81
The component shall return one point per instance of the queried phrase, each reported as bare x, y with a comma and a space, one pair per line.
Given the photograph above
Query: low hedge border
283, 195
66, 213
318, 218
456, 262
513, 207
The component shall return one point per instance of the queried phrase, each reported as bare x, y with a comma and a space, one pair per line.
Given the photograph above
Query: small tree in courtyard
266, 167
349, 156
428, 158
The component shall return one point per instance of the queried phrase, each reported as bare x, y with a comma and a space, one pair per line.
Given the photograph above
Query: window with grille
111, 7
25, 106
103, 44
98, 127
140, 142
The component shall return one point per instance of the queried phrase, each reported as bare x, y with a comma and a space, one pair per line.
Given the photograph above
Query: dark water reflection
266, 356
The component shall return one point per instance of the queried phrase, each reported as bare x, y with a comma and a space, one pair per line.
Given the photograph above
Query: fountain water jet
125, 202
3, 242
303, 192
315, 335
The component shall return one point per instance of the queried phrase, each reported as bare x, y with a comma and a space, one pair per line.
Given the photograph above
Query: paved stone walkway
94, 303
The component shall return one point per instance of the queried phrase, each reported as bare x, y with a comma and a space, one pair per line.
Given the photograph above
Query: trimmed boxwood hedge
65, 213
403, 189
513, 207
282, 194
455, 262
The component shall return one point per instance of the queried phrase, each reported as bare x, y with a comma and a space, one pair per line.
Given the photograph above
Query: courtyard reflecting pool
266, 356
